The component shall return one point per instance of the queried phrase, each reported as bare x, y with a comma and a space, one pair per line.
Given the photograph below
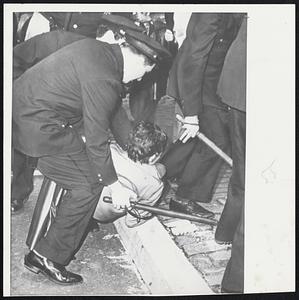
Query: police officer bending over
32, 51
81, 81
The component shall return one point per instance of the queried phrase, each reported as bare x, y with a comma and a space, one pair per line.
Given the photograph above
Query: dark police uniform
232, 88
193, 82
142, 99
80, 81
30, 52
85, 23
27, 54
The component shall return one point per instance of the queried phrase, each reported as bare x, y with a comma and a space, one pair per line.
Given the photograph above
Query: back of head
145, 140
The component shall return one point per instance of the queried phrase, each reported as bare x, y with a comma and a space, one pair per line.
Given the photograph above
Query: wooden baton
168, 213
210, 143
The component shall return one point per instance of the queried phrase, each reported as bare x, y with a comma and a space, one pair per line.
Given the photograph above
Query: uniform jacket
197, 67
81, 81
232, 82
30, 52
85, 23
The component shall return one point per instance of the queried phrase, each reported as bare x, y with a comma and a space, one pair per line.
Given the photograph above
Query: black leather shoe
53, 271
189, 207
220, 242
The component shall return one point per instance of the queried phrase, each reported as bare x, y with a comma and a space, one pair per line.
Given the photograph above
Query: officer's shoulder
86, 44
92, 43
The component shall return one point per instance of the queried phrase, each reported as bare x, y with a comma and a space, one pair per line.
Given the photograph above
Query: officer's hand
121, 196
161, 169
169, 37
190, 127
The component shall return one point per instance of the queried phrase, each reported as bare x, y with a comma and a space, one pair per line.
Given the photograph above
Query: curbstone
162, 265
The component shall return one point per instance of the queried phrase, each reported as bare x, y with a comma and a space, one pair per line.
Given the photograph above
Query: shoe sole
223, 242
175, 208
31, 267
37, 270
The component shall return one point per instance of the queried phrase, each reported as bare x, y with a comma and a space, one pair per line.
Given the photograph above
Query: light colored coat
143, 179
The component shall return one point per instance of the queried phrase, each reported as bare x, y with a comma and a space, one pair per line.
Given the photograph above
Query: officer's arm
99, 100
24, 56
30, 52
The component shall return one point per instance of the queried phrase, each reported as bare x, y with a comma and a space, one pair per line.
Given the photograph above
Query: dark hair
145, 140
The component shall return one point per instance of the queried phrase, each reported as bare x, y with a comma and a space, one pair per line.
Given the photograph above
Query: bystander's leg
234, 205
23, 167
231, 224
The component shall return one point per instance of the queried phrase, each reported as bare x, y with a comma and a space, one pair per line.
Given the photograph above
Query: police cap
118, 23
147, 46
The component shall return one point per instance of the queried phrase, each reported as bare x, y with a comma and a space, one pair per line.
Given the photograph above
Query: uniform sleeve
121, 126
100, 97
189, 67
30, 52
24, 56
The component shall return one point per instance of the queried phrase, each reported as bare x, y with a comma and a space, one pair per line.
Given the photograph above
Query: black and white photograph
149, 149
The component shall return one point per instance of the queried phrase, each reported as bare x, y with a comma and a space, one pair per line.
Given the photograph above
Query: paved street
102, 261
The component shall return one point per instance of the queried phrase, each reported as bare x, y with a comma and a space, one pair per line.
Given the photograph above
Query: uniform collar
119, 59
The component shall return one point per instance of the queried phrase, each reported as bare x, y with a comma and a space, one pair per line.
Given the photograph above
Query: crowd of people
70, 74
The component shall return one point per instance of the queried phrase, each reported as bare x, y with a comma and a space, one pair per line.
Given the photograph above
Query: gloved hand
161, 169
121, 196
169, 37
190, 127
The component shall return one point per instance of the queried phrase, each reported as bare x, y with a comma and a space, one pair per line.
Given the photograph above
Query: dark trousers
75, 173
233, 278
23, 167
231, 223
234, 205
145, 94
194, 164
142, 100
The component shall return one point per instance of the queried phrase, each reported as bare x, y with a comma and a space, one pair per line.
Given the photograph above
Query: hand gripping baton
211, 144
168, 213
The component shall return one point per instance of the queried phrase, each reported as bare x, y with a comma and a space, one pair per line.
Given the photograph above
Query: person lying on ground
138, 170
